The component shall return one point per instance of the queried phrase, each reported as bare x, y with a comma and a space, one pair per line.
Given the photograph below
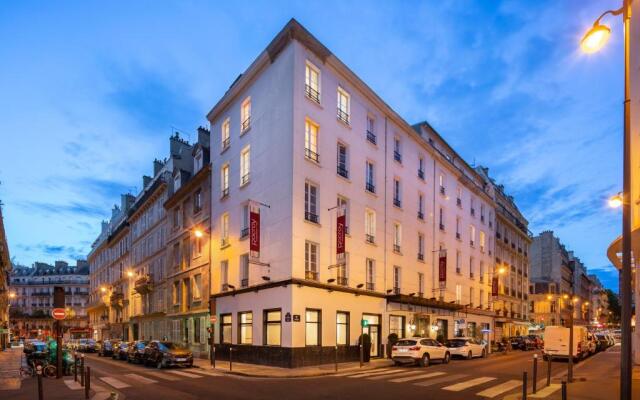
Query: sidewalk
10, 369
265, 371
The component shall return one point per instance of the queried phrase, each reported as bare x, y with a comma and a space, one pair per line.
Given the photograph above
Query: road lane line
470, 383
382, 376
185, 374
415, 378
442, 379
364, 375
160, 375
499, 389
114, 382
544, 392
140, 378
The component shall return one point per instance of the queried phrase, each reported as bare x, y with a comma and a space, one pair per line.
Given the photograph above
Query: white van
556, 342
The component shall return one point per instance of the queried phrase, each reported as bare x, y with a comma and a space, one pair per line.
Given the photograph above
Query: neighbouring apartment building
32, 297
599, 301
5, 271
303, 150
132, 261
512, 238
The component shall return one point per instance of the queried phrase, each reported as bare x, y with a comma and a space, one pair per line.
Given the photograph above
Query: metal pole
564, 390
39, 375
549, 357
214, 355
361, 344
230, 358
535, 372
625, 281
87, 387
81, 369
570, 361
75, 366
336, 357
58, 349
524, 385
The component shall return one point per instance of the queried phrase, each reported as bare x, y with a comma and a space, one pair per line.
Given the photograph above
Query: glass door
373, 330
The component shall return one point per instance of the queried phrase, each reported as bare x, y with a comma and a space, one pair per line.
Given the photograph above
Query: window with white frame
245, 115
482, 241
458, 221
224, 229
224, 275
370, 176
244, 217
472, 267
343, 164
272, 327
311, 202
371, 132
397, 236
244, 270
420, 206
472, 210
459, 196
224, 181
420, 284
472, 235
370, 225
311, 141
397, 151
371, 274
177, 182
197, 201
396, 279
421, 167
225, 134
343, 105
441, 218
458, 261
397, 193
197, 161
245, 166
312, 82
420, 246
196, 289
442, 183
313, 324
311, 260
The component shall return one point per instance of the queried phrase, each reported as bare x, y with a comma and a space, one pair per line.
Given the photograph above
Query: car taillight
414, 348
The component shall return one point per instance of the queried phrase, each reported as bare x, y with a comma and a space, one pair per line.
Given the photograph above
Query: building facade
32, 297
300, 141
5, 271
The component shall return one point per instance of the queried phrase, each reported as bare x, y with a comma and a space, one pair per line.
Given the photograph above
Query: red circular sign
213, 319
58, 313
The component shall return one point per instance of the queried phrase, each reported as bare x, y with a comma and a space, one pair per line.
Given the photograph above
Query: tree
614, 306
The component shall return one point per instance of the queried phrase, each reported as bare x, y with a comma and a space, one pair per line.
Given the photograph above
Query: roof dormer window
197, 161
176, 182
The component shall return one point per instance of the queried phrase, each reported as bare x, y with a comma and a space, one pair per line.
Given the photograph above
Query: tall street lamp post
593, 41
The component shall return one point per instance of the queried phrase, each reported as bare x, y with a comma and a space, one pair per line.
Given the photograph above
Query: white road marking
442, 379
205, 372
546, 391
499, 389
162, 376
185, 374
467, 384
114, 382
415, 378
367, 374
358, 372
140, 378
382, 376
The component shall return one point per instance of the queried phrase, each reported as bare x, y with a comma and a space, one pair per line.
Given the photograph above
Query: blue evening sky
90, 91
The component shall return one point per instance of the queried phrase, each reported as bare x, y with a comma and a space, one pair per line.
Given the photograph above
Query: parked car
556, 342
603, 341
167, 354
538, 343
420, 351
87, 346
522, 343
135, 351
120, 352
466, 347
592, 343
612, 340
108, 347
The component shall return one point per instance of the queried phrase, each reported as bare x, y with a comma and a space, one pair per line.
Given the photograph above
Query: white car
466, 347
420, 351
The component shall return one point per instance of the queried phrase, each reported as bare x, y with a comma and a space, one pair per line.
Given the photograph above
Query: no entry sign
58, 313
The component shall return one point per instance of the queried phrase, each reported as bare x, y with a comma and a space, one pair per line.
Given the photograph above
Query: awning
614, 252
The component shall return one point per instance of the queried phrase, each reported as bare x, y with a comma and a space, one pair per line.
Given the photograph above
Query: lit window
370, 226
311, 202
370, 173
343, 166
225, 134
245, 322
272, 327
311, 141
224, 180
245, 166
312, 323
397, 236
224, 275
245, 115
343, 105
311, 260
224, 229
225, 328
342, 328
244, 270
312, 82
196, 289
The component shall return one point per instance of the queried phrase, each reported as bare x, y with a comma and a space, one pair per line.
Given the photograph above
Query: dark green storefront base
287, 357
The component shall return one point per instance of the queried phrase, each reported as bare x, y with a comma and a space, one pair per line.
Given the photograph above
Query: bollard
535, 372
81, 369
549, 360
336, 357
230, 358
361, 352
564, 390
524, 385
213, 357
39, 375
75, 366
87, 385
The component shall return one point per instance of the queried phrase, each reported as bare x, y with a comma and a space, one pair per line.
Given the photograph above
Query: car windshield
456, 343
141, 345
166, 346
406, 343
90, 341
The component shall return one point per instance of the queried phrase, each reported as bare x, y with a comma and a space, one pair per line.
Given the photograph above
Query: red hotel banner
494, 286
254, 233
340, 246
442, 268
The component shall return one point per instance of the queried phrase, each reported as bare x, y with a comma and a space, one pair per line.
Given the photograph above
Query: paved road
494, 377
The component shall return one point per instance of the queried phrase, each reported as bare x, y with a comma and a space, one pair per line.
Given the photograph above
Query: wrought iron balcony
420, 215
459, 202
312, 155
311, 275
371, 286
245, 178
420, 256
370, 187
311, 217
397, 203
312, 93
396, 248
225, 193
370, 238
343, 115
244, 282
442, 190
397, 156
226, 143
342, 281
421, 174
246, 124
144, 284
342, 171
371, 137
244, 233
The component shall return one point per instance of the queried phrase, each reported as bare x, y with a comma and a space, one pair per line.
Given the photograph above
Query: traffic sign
58, 313
213, 319
365, 323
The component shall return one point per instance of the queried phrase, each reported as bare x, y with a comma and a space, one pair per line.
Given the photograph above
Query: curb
313, 375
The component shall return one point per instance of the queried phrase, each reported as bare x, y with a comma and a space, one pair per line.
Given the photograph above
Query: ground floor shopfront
190, 330
295, 323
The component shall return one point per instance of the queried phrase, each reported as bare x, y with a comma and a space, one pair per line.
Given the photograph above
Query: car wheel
160, 364
424, 361
470, 355
447, 358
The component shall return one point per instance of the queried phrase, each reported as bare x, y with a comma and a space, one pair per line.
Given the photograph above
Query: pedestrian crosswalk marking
367, 374
73, 385
140, 378
382, 376
547, 391
358, 372
114, 382
416, 377
205, 372
162, 376
467, 384
499, 389
442, 379
185, 374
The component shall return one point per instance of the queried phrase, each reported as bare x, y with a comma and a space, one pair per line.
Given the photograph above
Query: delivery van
556, 342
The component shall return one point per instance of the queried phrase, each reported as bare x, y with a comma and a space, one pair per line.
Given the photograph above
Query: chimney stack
146, 180
157, 166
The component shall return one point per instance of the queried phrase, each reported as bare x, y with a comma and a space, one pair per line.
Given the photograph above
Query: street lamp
12, 295
198, 233
130, 274
615, 201
592, 41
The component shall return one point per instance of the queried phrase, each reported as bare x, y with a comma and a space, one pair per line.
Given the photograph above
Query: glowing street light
549, 297
501, 270
12, 295
595, 38
130, 274
615, 201
103, 289
198, 233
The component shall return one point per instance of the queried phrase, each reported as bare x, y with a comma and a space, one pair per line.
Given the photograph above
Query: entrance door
373, 330
443, 330
135, 331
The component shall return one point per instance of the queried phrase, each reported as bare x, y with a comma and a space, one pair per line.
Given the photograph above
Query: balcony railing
311, 275
224, 242
312, 155
420, 174
144, 284
370, 238
397, 203
246, 124
459, 202
472, 243
420, 294
370, 187
420, 256
226, 143
396, 290
442, 227
442, 190
343, 115
244, 233
342, 281
245, 178
396, 248
244, 282
371, 137
342, 171
309, 216
397, 156
312, 94
371, 286
420, 215
225, 193
225, 287
458, 235
473, 212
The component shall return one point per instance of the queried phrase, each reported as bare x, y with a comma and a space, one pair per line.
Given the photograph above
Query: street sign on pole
213, 319
58, 313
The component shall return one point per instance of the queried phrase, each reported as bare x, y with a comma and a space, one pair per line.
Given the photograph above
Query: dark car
108, 347
87, 346
167, 354
602, 342
120, 351
135, 351
538, 343
522, 343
